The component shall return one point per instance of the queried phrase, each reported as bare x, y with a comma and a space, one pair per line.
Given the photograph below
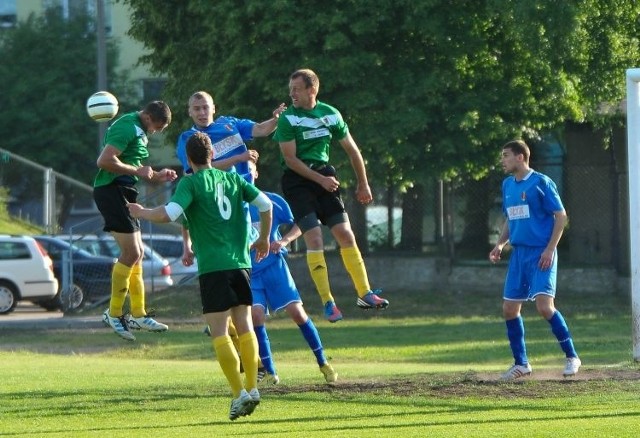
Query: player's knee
344, 235
309, 223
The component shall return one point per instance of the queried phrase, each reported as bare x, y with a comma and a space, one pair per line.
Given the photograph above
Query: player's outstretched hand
145, 172
165, 175
281, 108
135, 210
262, 248
251, 155
494, 255
187, 258
363, 194
276, 246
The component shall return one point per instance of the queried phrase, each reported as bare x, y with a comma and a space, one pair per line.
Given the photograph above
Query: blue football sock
561, 331
515, 333
312, 337
264, 348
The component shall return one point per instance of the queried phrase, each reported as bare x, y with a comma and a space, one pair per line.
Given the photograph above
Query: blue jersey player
273, 289
535, 220
228, 135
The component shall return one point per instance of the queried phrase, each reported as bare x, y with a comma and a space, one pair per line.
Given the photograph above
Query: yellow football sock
319, 274
136, 292
250, 357
119, 288
233, 333
229, 362
354, 264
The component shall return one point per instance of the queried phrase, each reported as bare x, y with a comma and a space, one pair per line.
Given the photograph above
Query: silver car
170, 246
155, 268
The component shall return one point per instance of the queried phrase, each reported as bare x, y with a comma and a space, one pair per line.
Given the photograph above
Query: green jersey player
312, 189
211, 201
120, 167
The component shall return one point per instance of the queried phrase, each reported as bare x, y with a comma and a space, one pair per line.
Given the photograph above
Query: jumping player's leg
130, 255
139, 319
112, 201
308, 330
120, 277
136, 284
311, 335
351, 257
354, 264
317, 263
302, 195
264, 344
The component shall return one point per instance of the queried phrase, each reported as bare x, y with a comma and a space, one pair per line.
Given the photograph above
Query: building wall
595, 187
437, 275
117, 18
119, 13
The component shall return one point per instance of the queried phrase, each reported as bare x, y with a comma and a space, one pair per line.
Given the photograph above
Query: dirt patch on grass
538, 385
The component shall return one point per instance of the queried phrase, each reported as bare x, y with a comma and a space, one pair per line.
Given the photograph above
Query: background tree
429, 88
47, 72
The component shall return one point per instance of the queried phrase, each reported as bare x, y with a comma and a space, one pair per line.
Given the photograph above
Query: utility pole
102, 62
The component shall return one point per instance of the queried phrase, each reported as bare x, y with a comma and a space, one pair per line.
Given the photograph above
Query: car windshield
166, 248
107, 246
55, 248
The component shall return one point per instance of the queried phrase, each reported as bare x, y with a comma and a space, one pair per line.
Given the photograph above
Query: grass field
428, 366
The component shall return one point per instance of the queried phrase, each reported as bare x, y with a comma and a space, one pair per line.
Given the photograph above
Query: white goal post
633, 159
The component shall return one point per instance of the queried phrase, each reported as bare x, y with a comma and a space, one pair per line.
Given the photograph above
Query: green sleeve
284, 131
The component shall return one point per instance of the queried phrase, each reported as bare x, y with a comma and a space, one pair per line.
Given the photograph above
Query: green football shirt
128, 136
213, 204
312, 130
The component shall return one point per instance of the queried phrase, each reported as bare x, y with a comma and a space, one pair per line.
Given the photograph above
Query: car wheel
49, 305
73, 300
8, 297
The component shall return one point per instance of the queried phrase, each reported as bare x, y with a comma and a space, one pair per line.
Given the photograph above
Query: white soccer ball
102, 106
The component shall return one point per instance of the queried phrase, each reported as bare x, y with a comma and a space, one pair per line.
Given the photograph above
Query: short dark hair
309, 77
518, 147
201, 95
199, 148
158, 111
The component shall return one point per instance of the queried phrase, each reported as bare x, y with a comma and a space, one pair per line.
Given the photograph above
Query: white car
170, 246
26, 272
155, 268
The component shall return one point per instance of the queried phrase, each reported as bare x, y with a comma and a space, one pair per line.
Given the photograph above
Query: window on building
8, 14
72, 8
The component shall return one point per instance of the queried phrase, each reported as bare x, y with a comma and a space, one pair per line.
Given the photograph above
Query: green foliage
429, 88
11, 225
50, 64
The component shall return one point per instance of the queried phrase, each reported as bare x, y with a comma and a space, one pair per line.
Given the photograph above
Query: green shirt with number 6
213, 204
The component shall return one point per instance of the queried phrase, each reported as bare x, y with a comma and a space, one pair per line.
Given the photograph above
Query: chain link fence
64, 209
456, 220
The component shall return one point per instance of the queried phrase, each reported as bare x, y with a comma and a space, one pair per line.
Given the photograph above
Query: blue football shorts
273, 287
525, 280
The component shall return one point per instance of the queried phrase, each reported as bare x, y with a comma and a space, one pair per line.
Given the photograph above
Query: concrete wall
403, 272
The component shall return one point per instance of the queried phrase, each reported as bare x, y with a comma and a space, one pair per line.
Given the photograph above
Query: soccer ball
102, 106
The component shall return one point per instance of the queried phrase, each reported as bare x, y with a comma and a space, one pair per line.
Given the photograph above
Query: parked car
155, 268
91, 275
26, 272
170, 246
